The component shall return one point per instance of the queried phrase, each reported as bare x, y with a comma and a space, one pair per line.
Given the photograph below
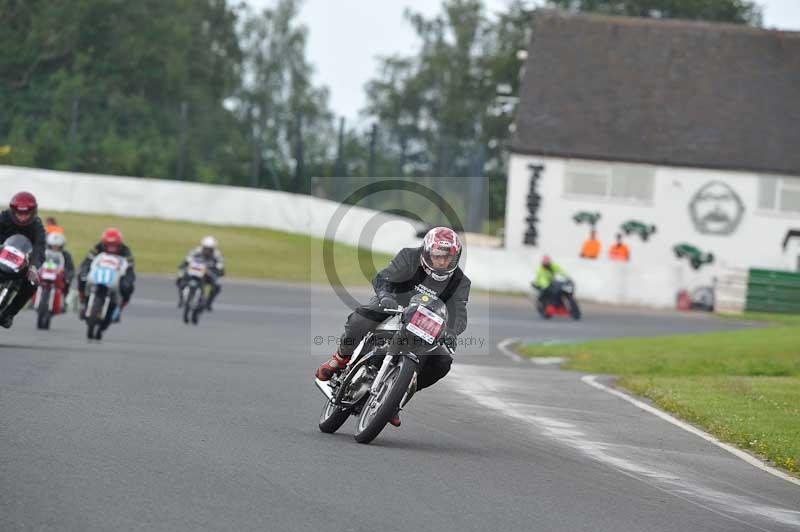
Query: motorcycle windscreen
20, 243
12, 258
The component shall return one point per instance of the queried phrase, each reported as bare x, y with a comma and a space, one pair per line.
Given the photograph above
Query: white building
693, 128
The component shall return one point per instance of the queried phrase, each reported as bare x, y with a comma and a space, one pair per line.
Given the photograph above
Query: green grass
159, 245
742, 386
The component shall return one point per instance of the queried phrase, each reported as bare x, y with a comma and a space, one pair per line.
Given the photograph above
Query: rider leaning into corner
208, 252
430, 269
110, 242
20, 219
544, 279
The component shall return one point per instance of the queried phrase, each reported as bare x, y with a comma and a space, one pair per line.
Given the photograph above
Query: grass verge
160, 245
741, 386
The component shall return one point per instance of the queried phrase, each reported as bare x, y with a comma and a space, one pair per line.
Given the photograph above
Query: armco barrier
773, 291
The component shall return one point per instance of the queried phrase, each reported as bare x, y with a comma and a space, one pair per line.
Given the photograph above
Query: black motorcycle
15, 255
195, 290
560, 302
382, 374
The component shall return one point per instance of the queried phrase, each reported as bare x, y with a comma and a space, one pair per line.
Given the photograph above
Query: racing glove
388, 301
33, 276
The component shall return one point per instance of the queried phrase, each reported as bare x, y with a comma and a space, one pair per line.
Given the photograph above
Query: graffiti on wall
716, 209
534, 200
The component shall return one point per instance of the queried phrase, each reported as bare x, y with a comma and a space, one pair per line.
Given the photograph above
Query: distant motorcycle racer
110, 242
207, 252
56, 243
544, 279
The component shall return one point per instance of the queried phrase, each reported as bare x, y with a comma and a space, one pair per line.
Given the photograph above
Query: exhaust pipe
325, 388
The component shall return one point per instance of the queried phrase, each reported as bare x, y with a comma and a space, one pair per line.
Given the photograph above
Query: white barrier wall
654, 274
644, 281
194, 202
222, 205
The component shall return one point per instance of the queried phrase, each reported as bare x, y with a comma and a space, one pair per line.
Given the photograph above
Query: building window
616, 181
779, 194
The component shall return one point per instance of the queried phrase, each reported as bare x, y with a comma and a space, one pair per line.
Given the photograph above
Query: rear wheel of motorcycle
332, 418
196, 315
379, 410
574, 309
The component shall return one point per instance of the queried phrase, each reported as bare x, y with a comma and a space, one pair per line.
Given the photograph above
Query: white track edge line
503, 347
543, 361
591, 380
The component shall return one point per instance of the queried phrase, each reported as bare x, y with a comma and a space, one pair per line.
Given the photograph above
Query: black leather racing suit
403, 278
34, 231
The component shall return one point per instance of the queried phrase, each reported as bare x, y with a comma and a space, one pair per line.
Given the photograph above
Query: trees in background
210, 91
733, 11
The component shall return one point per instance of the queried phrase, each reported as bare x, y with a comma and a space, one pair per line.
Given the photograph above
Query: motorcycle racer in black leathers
430, 269
21, 219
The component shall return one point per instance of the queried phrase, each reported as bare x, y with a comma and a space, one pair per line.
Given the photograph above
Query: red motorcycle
49, 297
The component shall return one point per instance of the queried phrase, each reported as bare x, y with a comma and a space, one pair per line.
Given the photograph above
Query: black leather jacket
34, 231
404, 277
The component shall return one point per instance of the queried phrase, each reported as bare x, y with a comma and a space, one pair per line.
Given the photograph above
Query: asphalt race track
164, 426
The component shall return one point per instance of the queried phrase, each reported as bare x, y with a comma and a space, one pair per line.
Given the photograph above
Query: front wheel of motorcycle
187, 305
332, 418
42, 310
574, 309
382, 406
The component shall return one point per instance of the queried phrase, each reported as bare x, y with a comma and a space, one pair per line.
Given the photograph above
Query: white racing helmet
56, 239
209, 242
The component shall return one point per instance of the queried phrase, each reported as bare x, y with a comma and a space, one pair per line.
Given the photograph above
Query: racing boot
118, 312
395, 421
328, 369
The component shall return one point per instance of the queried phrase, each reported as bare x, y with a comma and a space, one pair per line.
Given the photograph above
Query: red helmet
112, 240
546, 260
441, 242
23, 208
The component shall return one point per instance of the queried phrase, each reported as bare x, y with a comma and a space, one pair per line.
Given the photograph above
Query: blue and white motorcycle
102, 285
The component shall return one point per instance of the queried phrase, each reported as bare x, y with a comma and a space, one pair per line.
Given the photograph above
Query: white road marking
591, 380
503, 347
473, 383
266, 309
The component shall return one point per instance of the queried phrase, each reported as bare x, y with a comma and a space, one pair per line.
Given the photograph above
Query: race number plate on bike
109, 261
12, 257
197, 270
425, 324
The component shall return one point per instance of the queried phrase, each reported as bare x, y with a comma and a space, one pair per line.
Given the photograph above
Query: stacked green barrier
773, 291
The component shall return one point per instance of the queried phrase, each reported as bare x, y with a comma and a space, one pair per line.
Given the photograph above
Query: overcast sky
346, 37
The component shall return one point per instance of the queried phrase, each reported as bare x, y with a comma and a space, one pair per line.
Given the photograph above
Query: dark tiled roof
664, 92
